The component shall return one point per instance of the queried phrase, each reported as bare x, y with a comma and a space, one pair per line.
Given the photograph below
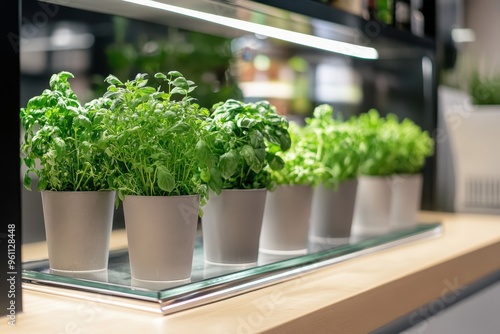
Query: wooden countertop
354, 296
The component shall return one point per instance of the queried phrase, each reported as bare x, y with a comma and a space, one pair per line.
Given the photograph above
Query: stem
320, 147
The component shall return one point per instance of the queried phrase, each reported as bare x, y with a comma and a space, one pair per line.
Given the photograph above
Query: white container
78, 228
286, 220
231, 226
372, 211
161, 232
332, 212
406, 198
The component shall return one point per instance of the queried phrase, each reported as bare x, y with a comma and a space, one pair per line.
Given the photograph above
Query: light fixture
463, 35
273, 32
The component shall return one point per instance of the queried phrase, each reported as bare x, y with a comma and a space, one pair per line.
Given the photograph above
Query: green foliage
330, 150
205, 59
246, 138
393, 147
471, 74
300, 161
337, 146
485, 91
62, 142
157, 142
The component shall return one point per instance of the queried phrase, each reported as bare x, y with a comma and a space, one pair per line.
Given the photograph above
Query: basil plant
62, 142
245, 139
156, 136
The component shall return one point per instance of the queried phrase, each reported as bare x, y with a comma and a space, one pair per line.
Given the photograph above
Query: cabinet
476, 312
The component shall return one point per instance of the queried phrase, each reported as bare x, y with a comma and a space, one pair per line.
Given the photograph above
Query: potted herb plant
157, 142
337, 145
287, 210
395, 153
484, 91
246, 139
62, 147
469, 112
373, 200
415, 145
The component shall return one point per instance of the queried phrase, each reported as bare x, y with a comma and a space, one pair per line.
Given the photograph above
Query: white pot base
100, 275
157, 285
283, 252
325, 240
249, 264
55, 271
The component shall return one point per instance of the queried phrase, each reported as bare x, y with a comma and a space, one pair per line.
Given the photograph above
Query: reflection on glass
212, 282
91, 275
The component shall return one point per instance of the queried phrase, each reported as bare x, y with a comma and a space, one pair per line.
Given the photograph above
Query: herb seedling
393, 147
300, 162
246, 138
62, 141
157, 141
337, 147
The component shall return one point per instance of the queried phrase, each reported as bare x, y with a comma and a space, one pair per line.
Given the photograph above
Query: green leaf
112, 94
256, 139
161, 76
84, 122
179, 128
276, 120
165, 179
277, 163
147, 90
246, 122
215, 183
30, 163
205, 175
284, 140
178, 90
59, 79
42, 184
112, 80
174, 74
59, 146
323, 111
228, 164
273, 148
204, 154
281, 138
169, 115
181, 82
27, 181
251, 159
260, 153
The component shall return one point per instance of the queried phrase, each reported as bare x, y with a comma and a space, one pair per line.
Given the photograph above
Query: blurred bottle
381, 11
403, 15
385, 11
369, 10
417, 18
351, 6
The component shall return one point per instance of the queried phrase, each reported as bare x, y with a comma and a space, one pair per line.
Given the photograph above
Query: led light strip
260, 29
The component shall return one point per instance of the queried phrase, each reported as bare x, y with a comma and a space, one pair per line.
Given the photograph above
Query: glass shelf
208, 283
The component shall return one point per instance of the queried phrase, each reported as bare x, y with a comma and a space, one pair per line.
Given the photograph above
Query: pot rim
245, 190
172, 196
